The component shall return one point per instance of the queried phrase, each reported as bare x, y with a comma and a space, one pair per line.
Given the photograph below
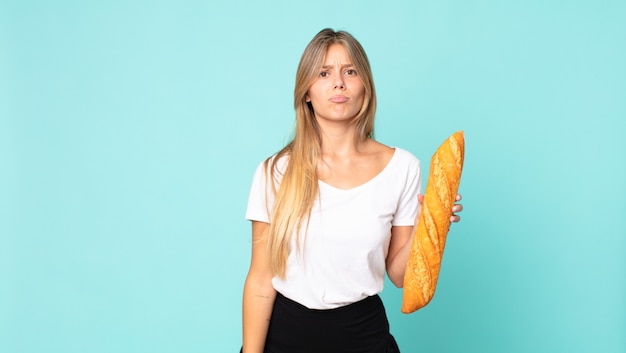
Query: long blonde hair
298, 187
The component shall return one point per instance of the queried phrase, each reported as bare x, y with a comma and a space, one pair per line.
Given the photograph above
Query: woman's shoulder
273, 165
405, 155
398, 152
277, 161
401, 160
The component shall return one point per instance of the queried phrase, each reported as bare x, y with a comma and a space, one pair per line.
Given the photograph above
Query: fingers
456, 208
420, 202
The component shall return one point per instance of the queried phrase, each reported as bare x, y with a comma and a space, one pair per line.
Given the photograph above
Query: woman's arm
258, 293
398, 255
400, 245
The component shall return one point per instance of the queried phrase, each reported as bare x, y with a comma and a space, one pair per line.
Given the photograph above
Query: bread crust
422, 270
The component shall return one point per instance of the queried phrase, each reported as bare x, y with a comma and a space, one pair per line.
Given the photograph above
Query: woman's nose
339, 84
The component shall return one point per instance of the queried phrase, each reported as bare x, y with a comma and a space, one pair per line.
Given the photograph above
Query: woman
331, 213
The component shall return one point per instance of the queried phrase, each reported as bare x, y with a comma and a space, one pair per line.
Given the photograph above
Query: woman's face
337, 93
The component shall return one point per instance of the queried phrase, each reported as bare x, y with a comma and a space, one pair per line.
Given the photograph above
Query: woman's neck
341, 141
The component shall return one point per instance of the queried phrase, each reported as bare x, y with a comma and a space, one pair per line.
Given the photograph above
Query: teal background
129, 132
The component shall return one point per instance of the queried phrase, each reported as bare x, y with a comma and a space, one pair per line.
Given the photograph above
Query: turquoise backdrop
129, 131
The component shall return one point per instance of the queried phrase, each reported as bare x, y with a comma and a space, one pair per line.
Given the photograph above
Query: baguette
429, 239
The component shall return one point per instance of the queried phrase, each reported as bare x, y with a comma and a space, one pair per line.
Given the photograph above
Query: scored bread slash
429, 239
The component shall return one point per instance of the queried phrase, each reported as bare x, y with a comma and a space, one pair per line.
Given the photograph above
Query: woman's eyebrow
342, 66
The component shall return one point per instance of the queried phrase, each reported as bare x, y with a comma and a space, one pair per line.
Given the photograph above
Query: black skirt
361, 327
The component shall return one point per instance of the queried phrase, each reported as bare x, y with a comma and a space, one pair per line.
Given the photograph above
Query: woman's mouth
339, 99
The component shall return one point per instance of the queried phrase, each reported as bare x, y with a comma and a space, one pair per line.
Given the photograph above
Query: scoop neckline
370, 181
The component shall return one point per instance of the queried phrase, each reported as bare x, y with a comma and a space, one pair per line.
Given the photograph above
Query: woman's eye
323, 74
350, 72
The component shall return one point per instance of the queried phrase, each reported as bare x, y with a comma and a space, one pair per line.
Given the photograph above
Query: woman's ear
307, 98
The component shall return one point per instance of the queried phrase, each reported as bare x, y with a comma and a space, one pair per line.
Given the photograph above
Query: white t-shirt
342, 257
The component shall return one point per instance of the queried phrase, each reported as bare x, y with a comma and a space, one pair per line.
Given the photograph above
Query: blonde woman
331, 213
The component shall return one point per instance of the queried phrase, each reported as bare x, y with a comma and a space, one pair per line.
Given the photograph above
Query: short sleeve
407, 204
260, 199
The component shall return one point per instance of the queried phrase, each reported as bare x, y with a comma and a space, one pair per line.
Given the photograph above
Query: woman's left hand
457, 207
